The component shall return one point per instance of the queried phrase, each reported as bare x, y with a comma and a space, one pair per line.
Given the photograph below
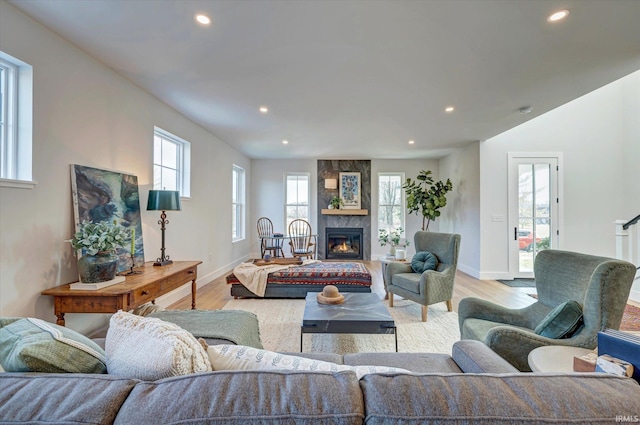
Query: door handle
515, 233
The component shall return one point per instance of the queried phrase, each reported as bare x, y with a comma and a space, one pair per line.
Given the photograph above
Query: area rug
519, 283
280, 321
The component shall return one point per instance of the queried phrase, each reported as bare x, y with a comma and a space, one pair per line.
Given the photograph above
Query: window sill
237, 240
18, 184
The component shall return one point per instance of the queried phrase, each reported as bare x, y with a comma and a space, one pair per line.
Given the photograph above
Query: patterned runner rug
280, 321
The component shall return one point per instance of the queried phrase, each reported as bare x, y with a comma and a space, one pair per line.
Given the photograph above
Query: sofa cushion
561, 322
33, 345
414, 362
246, 397
147, 348
506, 398
423, 261
28, 398
239, 357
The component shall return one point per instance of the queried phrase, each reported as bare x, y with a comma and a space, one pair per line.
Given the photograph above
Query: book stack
619, 353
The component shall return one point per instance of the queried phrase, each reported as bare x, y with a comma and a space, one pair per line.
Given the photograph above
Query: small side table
555, 358
386, 260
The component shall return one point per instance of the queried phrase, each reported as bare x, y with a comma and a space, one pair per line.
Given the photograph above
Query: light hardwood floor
216, 294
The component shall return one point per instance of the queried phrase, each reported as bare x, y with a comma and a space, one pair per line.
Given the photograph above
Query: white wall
596, 136
267, 189
86, 114
462, 212
413, 223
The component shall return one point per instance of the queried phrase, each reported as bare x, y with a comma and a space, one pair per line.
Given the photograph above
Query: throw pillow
562, 322
239, 357
423, 261
147, 348
33, 345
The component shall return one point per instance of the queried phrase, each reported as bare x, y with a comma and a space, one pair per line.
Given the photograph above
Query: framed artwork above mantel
350, 190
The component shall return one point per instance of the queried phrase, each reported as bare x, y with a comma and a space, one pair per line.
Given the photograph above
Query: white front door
533, 209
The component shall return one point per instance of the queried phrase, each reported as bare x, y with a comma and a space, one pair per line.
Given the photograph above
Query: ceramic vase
101, 267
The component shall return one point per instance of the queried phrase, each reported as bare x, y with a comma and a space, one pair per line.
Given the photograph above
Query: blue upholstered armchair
600, 285
430, 286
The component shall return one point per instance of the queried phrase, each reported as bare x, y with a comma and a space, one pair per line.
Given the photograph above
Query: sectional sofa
474, 385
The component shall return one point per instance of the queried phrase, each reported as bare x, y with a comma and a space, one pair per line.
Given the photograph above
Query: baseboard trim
469, 270
185, 291
494, 276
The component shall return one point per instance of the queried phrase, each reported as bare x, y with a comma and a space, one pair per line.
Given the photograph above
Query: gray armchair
431, 286
601, 285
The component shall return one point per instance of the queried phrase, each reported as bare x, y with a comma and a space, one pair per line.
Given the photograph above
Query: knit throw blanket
237, 326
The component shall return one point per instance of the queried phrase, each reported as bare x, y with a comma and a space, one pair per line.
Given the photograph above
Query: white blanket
254, 278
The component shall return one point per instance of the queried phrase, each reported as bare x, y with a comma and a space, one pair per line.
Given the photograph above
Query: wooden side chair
300, 239
267, 242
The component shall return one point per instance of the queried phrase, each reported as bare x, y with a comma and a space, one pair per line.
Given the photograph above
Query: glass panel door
533, 206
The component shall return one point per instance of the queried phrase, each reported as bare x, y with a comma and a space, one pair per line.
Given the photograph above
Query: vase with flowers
391, 237
97, 244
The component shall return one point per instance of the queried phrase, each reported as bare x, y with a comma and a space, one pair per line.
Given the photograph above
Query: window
171, 163
16, 111
238, 201
296, 196
390, 201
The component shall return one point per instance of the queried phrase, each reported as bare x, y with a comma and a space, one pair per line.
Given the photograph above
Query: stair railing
628, 240
628, 248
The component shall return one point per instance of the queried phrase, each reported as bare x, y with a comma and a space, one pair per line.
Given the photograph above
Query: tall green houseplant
426, 196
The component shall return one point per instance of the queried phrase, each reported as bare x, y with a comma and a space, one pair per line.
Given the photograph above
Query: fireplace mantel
327, 211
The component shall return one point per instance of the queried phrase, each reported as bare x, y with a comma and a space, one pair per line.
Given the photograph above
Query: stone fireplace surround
331, 169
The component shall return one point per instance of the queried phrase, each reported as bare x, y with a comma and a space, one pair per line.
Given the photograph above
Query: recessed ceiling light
285, 142
411, 142
558, 16
449, 109
203, 19
264, 109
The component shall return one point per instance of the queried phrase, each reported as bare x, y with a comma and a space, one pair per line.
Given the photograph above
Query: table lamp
163, 200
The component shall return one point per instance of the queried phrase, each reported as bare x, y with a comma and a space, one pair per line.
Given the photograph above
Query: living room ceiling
355, 79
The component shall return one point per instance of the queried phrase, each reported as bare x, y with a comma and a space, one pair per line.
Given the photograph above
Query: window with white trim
390, 201
171, 162
296, 197
16, 112
238, 203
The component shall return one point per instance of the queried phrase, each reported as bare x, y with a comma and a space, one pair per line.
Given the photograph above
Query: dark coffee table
361, 313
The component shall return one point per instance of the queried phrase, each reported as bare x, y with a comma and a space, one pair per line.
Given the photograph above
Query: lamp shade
163, 200
330, 183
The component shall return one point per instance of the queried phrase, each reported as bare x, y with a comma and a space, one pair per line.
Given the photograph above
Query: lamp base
163, 263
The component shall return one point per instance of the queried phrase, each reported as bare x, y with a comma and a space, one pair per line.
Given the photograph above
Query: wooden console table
136, 290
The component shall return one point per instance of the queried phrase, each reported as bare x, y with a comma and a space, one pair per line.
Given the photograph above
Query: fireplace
343, 243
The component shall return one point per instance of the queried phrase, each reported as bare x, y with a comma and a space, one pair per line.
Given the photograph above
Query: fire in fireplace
343, 243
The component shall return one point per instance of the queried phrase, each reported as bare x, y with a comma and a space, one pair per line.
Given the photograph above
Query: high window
296, 197
171, 162
15, 121
238, 202
390, 201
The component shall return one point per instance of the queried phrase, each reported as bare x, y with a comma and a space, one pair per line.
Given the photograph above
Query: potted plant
335, 203
97, 243
426, 197
391, 237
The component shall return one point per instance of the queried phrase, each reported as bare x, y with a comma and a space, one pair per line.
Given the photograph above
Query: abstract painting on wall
350, 190
103, 195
